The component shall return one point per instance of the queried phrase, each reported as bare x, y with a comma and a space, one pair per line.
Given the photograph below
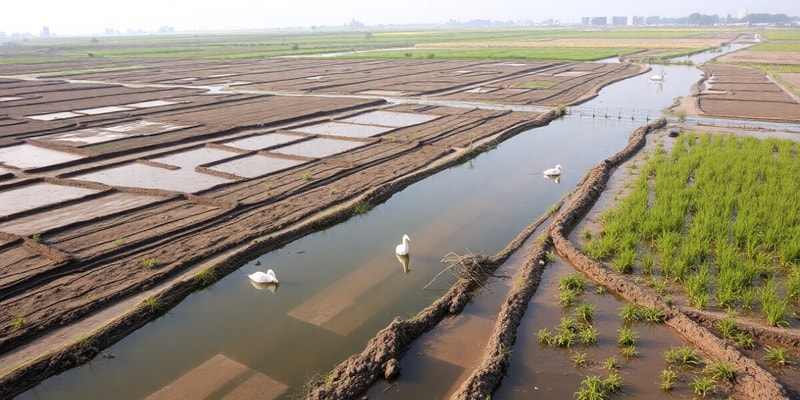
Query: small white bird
553, 171
261, 277
402, 248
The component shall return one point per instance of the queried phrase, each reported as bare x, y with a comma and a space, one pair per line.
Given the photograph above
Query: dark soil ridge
753, 381
18, 378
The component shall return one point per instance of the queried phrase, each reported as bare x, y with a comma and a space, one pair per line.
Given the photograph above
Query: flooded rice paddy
341, 285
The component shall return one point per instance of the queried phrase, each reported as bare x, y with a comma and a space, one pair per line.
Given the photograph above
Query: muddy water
340, 286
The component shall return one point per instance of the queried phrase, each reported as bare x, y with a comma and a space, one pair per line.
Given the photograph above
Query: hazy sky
67, 17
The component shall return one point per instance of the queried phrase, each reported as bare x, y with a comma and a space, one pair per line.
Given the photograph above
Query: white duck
553, 171
402, 248
261, 277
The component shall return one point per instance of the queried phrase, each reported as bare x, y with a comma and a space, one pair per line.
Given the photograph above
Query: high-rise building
742, 13
45, 31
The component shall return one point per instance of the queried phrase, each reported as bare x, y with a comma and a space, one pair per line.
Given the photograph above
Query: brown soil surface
743, 93
761, 57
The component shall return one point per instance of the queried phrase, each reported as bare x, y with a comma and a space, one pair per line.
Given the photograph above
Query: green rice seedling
727, 327
744, 340
37, 237
748, 297
778, 356
697, 287
700, 300
668, 378
150, 263
567, 297
569, 324
586, 233
721, 371
119, 242
623, 262
550, 257
613, 383
611, 363
629, 352
563, 339
651, 315
684, 356
588, 335
544, 336
627, 336
793, 283
307, 176
774, 309
585, 311
703, 386
579, 358
19, 322
647, 263
592, 388
573, 281
630, 312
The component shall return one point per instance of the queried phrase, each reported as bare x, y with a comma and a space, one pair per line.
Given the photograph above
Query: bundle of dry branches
474, 267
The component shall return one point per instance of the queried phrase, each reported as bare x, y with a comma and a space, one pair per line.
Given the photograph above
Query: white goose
261, 277
402, 248
553, 171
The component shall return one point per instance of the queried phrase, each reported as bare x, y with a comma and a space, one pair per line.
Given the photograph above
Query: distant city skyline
88, 17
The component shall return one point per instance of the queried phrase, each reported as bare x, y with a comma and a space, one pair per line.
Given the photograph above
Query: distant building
45, 31
618, 21
742, 13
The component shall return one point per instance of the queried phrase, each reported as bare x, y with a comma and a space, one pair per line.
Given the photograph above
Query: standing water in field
339, 286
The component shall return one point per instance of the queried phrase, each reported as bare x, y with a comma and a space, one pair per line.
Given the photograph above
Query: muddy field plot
737, 92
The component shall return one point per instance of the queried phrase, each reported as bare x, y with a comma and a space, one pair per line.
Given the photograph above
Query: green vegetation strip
775, 46
721, 215
281, 43
502, 53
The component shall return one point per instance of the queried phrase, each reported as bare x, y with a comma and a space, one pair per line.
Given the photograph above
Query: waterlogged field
717, 220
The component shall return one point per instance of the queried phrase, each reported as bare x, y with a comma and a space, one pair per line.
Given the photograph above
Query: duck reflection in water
271, 286
556, 178
404, 259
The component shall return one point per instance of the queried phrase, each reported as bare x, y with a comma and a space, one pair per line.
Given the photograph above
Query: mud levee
752, 380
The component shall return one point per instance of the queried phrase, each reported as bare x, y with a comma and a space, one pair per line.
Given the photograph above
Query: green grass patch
501, 53
782, 34
777, 46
